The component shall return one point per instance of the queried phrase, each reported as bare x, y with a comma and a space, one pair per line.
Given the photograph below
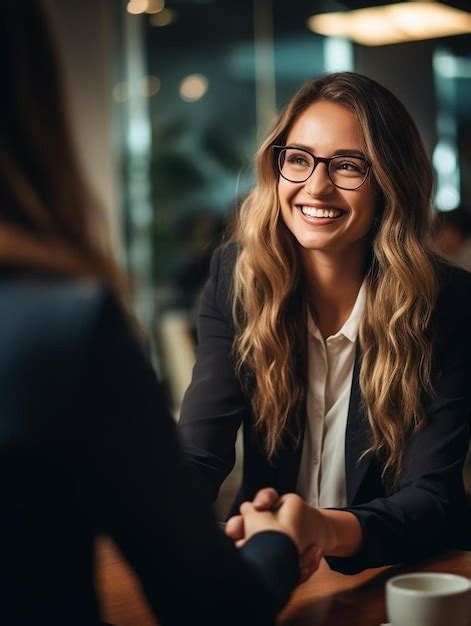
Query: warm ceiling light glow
393, 23
150, 85
163, 18
137, 6
193, 87
155, 6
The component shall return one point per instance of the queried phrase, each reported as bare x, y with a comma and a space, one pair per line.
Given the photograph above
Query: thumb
265, 499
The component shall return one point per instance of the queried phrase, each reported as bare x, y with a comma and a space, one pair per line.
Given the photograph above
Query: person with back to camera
87, 445
335, 334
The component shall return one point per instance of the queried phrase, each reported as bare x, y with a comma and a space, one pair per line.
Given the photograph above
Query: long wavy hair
269, 296
49, 219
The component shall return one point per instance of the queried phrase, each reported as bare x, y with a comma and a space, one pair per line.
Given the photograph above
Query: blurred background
169, 99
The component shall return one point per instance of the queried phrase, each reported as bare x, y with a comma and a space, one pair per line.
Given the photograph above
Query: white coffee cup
428, 599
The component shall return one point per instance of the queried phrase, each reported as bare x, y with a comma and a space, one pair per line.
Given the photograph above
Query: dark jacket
426, 514
87, 446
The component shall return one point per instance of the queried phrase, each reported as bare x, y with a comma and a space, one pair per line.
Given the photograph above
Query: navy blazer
87, 446
426, 514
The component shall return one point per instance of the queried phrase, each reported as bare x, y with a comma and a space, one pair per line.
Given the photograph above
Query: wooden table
326, 599
332, 599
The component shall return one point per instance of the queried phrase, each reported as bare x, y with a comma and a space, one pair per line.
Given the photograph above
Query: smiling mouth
310, 211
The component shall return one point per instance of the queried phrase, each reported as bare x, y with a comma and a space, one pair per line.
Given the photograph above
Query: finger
290, 499
306, 556
235, 527
309, 562
317, 558
304, 574
246, 508
265, 499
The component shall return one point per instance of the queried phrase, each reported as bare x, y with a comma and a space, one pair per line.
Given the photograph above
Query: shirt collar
351, 327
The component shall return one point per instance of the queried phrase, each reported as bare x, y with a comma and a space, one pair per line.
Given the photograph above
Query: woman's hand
288, 513
270, 512
336, 533
265, 500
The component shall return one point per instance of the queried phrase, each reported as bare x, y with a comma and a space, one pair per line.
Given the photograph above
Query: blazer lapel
357, 437
289, 457
357, 440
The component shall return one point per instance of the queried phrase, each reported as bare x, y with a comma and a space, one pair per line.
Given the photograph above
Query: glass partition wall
201, 83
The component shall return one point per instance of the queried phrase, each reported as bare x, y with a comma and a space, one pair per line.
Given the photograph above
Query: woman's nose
319, 182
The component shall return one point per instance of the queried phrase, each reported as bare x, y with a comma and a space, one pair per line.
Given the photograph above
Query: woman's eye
348, 165
297, 159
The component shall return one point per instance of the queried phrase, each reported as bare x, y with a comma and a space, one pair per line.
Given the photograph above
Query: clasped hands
288, 514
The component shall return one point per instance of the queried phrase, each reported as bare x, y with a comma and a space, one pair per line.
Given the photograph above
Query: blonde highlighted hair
269, 301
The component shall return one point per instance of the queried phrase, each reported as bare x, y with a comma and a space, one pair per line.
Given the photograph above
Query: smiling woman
331, 329
327, 208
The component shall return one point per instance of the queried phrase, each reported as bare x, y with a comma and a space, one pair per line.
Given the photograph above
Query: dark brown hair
48, 216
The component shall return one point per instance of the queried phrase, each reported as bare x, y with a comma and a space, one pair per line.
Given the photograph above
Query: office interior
169, 99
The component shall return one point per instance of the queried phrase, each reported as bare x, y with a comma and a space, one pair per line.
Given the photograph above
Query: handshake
308, 527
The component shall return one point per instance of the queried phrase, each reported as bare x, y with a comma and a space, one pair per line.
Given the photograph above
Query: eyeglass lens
345, 171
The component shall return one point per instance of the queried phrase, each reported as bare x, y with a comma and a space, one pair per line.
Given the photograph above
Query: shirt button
315, 460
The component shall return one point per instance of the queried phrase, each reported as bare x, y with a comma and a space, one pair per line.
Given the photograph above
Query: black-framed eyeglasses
345, 171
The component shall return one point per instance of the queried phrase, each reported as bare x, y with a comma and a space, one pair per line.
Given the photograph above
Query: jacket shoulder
452, 315
56, 311
222, 276
226, 255
52, 332
455, 286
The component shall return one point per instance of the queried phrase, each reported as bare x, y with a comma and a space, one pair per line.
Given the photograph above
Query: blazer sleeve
214, 405
134, 485
428, 513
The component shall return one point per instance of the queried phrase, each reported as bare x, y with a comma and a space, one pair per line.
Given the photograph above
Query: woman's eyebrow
300, 145
350, 152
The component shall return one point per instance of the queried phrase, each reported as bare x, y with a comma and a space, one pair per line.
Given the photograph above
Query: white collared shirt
321, 480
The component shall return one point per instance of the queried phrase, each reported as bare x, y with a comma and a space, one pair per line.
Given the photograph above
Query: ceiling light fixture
193, 87
137, 6
393, 23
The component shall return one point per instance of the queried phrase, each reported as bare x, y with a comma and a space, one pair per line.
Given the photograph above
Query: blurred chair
177, 350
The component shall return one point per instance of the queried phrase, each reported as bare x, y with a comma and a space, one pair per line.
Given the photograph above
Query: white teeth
313, 212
